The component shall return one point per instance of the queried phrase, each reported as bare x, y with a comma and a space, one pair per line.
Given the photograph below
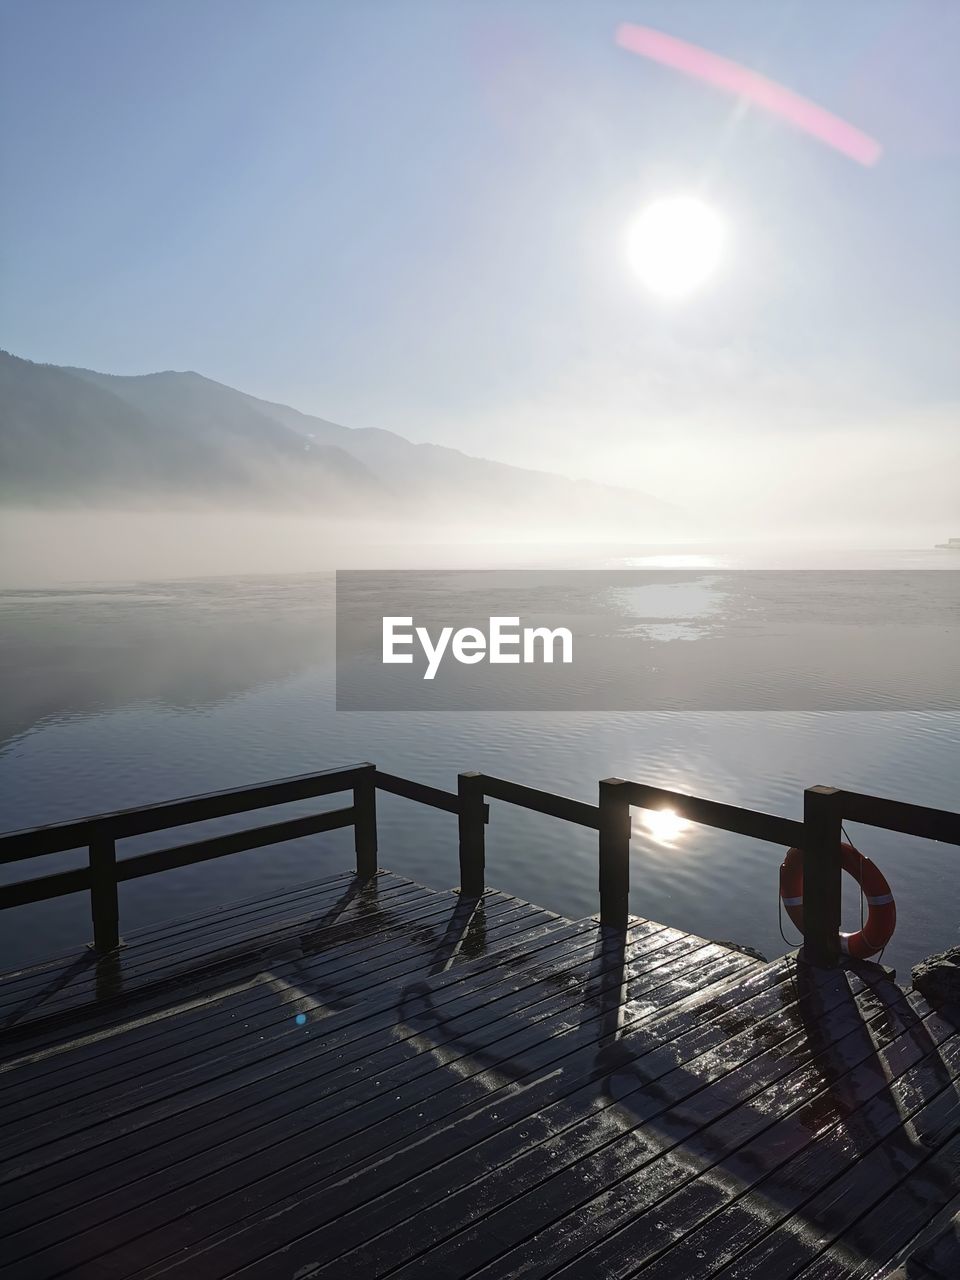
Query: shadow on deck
375, 1079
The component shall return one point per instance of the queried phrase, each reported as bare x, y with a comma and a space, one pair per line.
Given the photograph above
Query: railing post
614, 853
104, 906
470, 820
365, 823
822, 819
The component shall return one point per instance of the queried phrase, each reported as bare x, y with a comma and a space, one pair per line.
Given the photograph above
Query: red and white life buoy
881, 917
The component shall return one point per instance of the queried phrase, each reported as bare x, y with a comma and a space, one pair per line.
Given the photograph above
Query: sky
412, 215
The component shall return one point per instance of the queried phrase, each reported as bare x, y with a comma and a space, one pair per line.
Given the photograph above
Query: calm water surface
124, 695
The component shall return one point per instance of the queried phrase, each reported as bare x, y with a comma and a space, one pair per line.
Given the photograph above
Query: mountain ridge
70, 435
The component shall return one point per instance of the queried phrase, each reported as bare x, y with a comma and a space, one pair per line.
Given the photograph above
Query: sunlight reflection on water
674, 562
664, 825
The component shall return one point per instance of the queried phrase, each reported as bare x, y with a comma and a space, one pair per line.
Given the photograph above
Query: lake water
122, 695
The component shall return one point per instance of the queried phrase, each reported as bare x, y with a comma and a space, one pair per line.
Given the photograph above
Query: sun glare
675, 245
664, 825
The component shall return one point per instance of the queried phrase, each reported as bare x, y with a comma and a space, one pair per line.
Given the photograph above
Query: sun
675, 245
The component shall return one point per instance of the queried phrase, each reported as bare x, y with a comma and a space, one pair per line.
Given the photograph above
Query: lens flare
750, 86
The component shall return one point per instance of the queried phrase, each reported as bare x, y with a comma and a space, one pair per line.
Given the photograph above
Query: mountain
74, 437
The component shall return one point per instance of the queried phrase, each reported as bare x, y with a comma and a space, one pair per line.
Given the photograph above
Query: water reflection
664, 825
674, 562
683, 609
128, 697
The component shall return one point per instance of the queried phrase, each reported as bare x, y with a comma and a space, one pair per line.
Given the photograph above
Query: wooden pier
364, 1077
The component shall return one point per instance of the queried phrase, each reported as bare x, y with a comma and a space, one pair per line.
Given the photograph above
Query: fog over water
49, 548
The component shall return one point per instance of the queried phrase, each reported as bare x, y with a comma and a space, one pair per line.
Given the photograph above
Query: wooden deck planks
351, 1103
111, 1011
723, 1161
503, 923
347, 1025
934, 1254
340, 1047
255, 1057
171, 935
628, 1139
349, 1082
880, 1203
489, 1135
837, 1130
256, 1004
352, 911
348, 968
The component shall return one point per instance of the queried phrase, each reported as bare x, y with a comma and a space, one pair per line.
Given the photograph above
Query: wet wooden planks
208, 946
934, 1254
360, 1082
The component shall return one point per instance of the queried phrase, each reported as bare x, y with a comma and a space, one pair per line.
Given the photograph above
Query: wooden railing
818, 835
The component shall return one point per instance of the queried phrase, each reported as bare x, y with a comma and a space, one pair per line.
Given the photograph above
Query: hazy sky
412, 215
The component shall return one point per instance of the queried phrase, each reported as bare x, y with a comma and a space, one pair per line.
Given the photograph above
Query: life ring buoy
881, 916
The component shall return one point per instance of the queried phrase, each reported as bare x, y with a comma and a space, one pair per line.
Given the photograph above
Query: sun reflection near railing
664, 825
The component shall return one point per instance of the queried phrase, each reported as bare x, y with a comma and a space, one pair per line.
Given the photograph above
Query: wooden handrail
818, 835
418, 791
897, 815
59, 837
186, 855
546, 802
22, 893
724, 817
